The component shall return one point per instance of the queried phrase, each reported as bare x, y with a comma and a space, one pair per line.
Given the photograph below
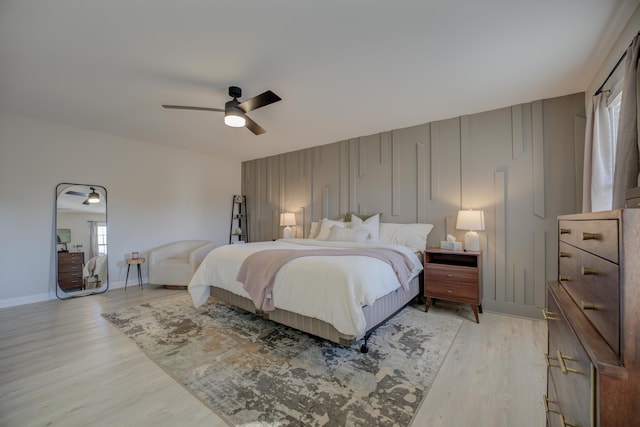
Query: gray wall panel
520, 164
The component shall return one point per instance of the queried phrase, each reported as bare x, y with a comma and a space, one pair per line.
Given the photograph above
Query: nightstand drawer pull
563, 366
586, 271
565, 255
565, 231
564, 278
549, 315
590, 236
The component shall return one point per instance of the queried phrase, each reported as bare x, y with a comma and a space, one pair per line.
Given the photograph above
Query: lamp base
471, 241
286, 233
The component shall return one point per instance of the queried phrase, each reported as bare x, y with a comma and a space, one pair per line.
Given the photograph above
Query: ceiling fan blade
261, 100
183, 107
75, 193
253, 126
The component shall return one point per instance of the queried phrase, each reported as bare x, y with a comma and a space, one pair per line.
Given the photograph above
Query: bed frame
375, 315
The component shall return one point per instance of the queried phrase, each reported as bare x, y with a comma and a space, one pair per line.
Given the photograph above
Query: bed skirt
374, 314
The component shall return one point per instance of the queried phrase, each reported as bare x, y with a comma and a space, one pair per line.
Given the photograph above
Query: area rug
254, 372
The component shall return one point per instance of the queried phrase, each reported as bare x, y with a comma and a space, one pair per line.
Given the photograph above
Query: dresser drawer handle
564, 278
565, 231
563, 366
548, 315
548, 359
449, 291
449, 275
590, 236
587, 271
589, 305
563, 422
565, 255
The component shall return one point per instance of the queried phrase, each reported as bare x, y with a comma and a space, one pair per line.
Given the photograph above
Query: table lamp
287, 220
472, 221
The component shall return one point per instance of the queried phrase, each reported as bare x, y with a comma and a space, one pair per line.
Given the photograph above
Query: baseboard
30, 299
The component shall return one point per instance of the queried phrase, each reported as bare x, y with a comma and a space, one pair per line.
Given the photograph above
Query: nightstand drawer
451, 274
452, 291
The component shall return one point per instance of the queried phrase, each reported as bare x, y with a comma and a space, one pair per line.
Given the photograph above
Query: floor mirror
81, 240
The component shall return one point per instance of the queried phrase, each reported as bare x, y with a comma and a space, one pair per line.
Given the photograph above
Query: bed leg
364, 348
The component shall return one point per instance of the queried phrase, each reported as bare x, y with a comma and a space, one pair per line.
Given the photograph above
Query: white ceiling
344, 68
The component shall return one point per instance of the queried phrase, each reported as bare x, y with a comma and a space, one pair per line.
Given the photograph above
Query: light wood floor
62, 364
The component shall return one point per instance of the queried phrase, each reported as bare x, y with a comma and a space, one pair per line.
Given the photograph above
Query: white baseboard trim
29, 299
12, 302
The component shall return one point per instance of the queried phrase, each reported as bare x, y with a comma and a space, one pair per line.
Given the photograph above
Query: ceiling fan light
234, 120
93, 196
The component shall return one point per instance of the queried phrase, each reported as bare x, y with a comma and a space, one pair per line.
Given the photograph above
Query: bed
338, 298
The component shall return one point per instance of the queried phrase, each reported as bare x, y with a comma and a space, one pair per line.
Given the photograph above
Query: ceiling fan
92, 197
235, 111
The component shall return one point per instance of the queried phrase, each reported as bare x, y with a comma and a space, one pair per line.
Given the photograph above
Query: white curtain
93, 239
599, 157
626, 164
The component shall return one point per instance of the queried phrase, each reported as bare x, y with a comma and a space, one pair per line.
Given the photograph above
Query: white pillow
325, 228
343, 234
411, 235
314, 230
371, 224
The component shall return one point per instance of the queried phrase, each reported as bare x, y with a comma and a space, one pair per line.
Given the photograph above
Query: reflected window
102, 238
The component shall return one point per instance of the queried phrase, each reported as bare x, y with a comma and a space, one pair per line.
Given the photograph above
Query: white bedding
330, 288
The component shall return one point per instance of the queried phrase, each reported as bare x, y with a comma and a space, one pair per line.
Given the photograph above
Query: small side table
138, 262
454, 276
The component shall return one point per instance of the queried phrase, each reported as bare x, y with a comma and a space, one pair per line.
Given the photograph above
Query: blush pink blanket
258, 271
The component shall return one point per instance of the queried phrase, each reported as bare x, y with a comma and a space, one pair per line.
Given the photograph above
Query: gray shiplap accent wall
520, 164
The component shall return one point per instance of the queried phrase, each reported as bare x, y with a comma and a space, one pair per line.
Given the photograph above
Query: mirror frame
60, 293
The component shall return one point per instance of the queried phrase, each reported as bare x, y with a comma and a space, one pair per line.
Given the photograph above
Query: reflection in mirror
81, 240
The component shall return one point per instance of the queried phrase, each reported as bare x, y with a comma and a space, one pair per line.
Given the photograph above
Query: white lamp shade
471, 220
288, 219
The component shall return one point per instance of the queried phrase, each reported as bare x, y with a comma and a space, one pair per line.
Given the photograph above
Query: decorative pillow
371, 224
364, 217
314, 230
325, 228
411, 235
343, 234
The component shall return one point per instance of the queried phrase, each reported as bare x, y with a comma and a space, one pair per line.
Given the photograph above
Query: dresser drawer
451, 274
570, 372
600, 237
594, 285
68, 268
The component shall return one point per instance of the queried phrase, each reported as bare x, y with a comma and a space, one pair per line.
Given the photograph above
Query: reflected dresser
593, 318
70, 270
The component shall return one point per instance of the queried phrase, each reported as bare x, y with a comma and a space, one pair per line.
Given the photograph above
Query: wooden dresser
593, 317
70, 270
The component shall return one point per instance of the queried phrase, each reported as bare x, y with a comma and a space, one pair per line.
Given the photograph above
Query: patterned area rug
253, 372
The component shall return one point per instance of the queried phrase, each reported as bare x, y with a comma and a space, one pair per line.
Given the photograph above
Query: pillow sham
325, 228
343, 234
314, 230
411, 235
371, 224
364, 217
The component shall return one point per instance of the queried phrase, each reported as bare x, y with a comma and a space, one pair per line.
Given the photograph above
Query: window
614, 113
102, 238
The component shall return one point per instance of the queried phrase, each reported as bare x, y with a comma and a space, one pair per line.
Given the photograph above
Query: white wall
155, 195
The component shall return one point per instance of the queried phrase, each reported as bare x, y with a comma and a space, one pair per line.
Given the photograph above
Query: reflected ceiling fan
92, 197
235, 111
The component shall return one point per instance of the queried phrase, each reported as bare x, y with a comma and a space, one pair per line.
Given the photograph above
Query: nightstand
453, 276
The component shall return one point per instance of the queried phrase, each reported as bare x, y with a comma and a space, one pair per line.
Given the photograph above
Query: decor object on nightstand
472, 221
287, 220
453, 276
